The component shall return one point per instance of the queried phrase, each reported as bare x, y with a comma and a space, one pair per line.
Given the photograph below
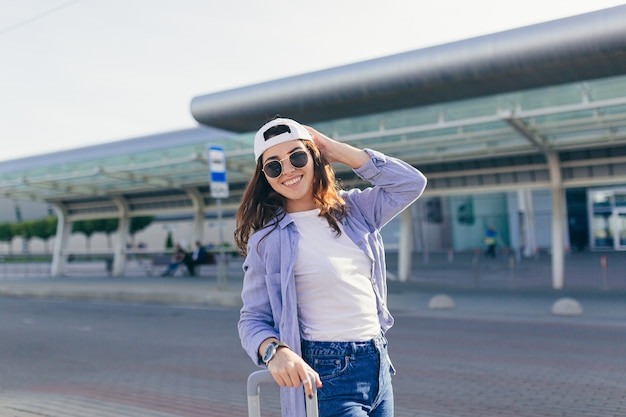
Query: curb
211, 297
12, 412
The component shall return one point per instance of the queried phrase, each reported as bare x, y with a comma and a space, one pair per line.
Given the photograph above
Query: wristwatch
271, 349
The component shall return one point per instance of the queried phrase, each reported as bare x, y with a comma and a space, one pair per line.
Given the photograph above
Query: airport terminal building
522, 130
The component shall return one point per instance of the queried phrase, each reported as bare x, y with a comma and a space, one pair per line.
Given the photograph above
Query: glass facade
477, 154
607, 210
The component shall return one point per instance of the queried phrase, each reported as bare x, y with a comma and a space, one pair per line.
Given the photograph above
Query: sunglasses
297, 159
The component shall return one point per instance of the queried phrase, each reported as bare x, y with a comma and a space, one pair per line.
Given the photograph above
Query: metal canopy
573, 49
490, 143
153, 171
499, 143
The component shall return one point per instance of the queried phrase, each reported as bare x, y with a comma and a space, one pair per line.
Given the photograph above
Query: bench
158, 260
210, 260
93, 257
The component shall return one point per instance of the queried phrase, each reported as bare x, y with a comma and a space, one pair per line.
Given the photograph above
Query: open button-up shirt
269, 294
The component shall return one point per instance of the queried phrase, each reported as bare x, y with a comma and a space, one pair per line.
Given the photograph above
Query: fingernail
310, 396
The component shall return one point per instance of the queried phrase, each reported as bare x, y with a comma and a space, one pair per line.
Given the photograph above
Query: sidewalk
135, 287
486, 302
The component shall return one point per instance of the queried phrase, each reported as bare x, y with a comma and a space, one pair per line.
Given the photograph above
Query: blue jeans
356, 377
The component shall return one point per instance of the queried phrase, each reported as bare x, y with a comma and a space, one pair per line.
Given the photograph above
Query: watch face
270, 350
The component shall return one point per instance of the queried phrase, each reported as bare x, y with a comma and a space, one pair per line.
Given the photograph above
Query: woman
314, 292
178, 257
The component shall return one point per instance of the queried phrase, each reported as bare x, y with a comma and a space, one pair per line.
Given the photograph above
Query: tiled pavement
499, 352
449, 365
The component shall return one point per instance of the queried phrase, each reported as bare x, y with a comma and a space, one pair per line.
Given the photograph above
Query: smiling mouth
293, 181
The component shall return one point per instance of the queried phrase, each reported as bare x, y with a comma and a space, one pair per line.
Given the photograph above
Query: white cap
293, 131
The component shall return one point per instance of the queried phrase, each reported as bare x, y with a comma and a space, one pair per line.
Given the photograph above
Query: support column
423, 233
57, 268
558, 253
405, 249
119, 251
198, 215
527, 206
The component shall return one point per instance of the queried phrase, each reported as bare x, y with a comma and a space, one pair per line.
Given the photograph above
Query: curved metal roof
128, 148
577, 48
490, 143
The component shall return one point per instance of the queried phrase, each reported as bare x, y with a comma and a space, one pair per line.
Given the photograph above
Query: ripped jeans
356, 377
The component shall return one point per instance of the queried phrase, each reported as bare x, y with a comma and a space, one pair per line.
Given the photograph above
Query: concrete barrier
441, 302
567, 307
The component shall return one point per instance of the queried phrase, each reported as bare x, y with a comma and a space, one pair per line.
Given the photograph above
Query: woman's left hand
290, 370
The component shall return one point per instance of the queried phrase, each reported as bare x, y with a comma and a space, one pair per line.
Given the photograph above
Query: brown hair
260, 204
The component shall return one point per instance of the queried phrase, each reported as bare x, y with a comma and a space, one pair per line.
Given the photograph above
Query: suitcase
254, 394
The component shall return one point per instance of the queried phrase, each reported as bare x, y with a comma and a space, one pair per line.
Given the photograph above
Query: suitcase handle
254, 393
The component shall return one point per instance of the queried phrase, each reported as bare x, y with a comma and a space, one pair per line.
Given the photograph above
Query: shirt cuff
371, 168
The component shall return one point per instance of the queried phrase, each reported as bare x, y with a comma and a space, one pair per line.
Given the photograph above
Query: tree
108, 227
44, 229
169, 242
27, 230
51, 224
137, 224
7, 232
86, 227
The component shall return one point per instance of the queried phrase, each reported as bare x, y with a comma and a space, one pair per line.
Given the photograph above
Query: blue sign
217, 172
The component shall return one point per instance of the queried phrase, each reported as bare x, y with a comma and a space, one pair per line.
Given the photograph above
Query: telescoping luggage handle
254, 393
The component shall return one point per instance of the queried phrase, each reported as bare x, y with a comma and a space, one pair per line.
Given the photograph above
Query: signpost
219, 190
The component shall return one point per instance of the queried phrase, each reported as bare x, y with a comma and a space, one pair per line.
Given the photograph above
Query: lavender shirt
269, 293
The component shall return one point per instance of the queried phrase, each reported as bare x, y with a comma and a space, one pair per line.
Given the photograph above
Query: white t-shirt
336, 300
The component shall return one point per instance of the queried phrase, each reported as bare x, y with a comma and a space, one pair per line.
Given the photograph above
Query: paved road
75, 358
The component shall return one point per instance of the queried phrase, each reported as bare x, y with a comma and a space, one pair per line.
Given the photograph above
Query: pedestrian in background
199, 256
179, 257
490, 241
314, 291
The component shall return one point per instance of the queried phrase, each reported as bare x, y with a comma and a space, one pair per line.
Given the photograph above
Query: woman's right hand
335, 151
290, 370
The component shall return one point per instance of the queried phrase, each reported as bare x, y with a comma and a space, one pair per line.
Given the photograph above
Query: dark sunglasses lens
299, 159
272, 169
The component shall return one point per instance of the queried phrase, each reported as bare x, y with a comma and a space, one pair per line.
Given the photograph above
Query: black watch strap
271, 349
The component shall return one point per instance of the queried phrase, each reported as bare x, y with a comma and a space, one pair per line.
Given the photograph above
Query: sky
85, 72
